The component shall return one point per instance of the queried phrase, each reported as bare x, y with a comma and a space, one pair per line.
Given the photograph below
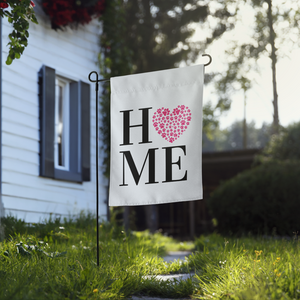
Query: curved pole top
210, 59
90, 79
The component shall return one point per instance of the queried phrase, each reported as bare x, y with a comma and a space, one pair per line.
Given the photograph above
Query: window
62, 117
64, 127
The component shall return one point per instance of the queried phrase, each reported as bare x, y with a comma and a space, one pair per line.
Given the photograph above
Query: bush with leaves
259, 200
285, 145
19, 13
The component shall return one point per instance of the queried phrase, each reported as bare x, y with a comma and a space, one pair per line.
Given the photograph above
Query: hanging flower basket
72, 12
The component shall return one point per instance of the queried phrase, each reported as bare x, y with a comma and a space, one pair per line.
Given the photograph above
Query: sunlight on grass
168, 243
57, 260
247, 268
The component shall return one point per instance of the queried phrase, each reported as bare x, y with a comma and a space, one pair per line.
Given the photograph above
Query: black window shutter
85, 131
47, 119
79, 129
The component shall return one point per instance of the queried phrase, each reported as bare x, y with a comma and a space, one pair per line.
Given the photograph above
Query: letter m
137, 175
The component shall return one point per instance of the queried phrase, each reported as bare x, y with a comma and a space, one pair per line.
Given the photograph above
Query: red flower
32, 4
65, 12
3, 4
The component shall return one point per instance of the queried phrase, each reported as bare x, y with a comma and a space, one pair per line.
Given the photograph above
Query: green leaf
34, 19
9, 60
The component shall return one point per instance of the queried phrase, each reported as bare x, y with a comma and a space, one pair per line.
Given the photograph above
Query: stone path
171, 277
170, 257
176, 255
155, 298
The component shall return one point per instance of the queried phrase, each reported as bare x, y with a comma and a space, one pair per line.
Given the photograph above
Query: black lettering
170, 163
136, 175
144, 125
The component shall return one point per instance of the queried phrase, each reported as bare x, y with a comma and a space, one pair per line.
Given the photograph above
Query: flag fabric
156, 137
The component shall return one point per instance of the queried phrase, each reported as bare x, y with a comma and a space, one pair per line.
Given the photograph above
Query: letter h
144, 125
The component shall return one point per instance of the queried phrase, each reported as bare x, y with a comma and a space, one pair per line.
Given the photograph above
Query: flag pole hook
210, 59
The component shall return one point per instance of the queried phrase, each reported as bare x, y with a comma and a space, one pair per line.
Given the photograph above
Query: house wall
73, 53
1, 205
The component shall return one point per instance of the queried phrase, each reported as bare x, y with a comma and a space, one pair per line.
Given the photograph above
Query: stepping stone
169, 258
174, 255
171, 277
155, 298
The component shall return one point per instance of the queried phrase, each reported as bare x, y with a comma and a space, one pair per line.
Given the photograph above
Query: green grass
167, 243
247, 268
57, 260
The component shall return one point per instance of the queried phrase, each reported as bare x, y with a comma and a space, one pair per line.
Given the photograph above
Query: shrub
284, 146
259, 200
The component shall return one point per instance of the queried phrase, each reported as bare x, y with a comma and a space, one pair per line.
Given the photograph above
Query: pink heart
171, 126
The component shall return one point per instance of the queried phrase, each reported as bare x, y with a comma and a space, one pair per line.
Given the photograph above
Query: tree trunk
245, 125
151, 217
192, 219
273, 57
126, 218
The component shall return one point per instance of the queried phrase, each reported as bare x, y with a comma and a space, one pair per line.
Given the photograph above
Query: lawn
247, 268
57, 260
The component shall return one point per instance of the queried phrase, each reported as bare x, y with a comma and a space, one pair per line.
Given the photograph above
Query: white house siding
72, 53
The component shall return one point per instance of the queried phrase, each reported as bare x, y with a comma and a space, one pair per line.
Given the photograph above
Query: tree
159, 32
150, 35
19, 15
115, 59
231, 138
275, 24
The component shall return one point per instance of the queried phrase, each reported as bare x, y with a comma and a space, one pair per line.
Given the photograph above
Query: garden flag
156, 137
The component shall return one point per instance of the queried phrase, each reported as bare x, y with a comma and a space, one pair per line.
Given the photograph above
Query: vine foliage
115, 59
19, 14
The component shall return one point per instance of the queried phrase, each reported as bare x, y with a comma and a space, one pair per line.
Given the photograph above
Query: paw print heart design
171, 125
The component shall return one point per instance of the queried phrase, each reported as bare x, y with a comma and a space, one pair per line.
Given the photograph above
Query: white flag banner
156, 137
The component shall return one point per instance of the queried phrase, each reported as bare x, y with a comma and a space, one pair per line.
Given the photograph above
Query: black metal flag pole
97, 157
97, 80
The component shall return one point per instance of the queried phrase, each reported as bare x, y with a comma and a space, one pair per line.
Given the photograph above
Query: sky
259, 107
